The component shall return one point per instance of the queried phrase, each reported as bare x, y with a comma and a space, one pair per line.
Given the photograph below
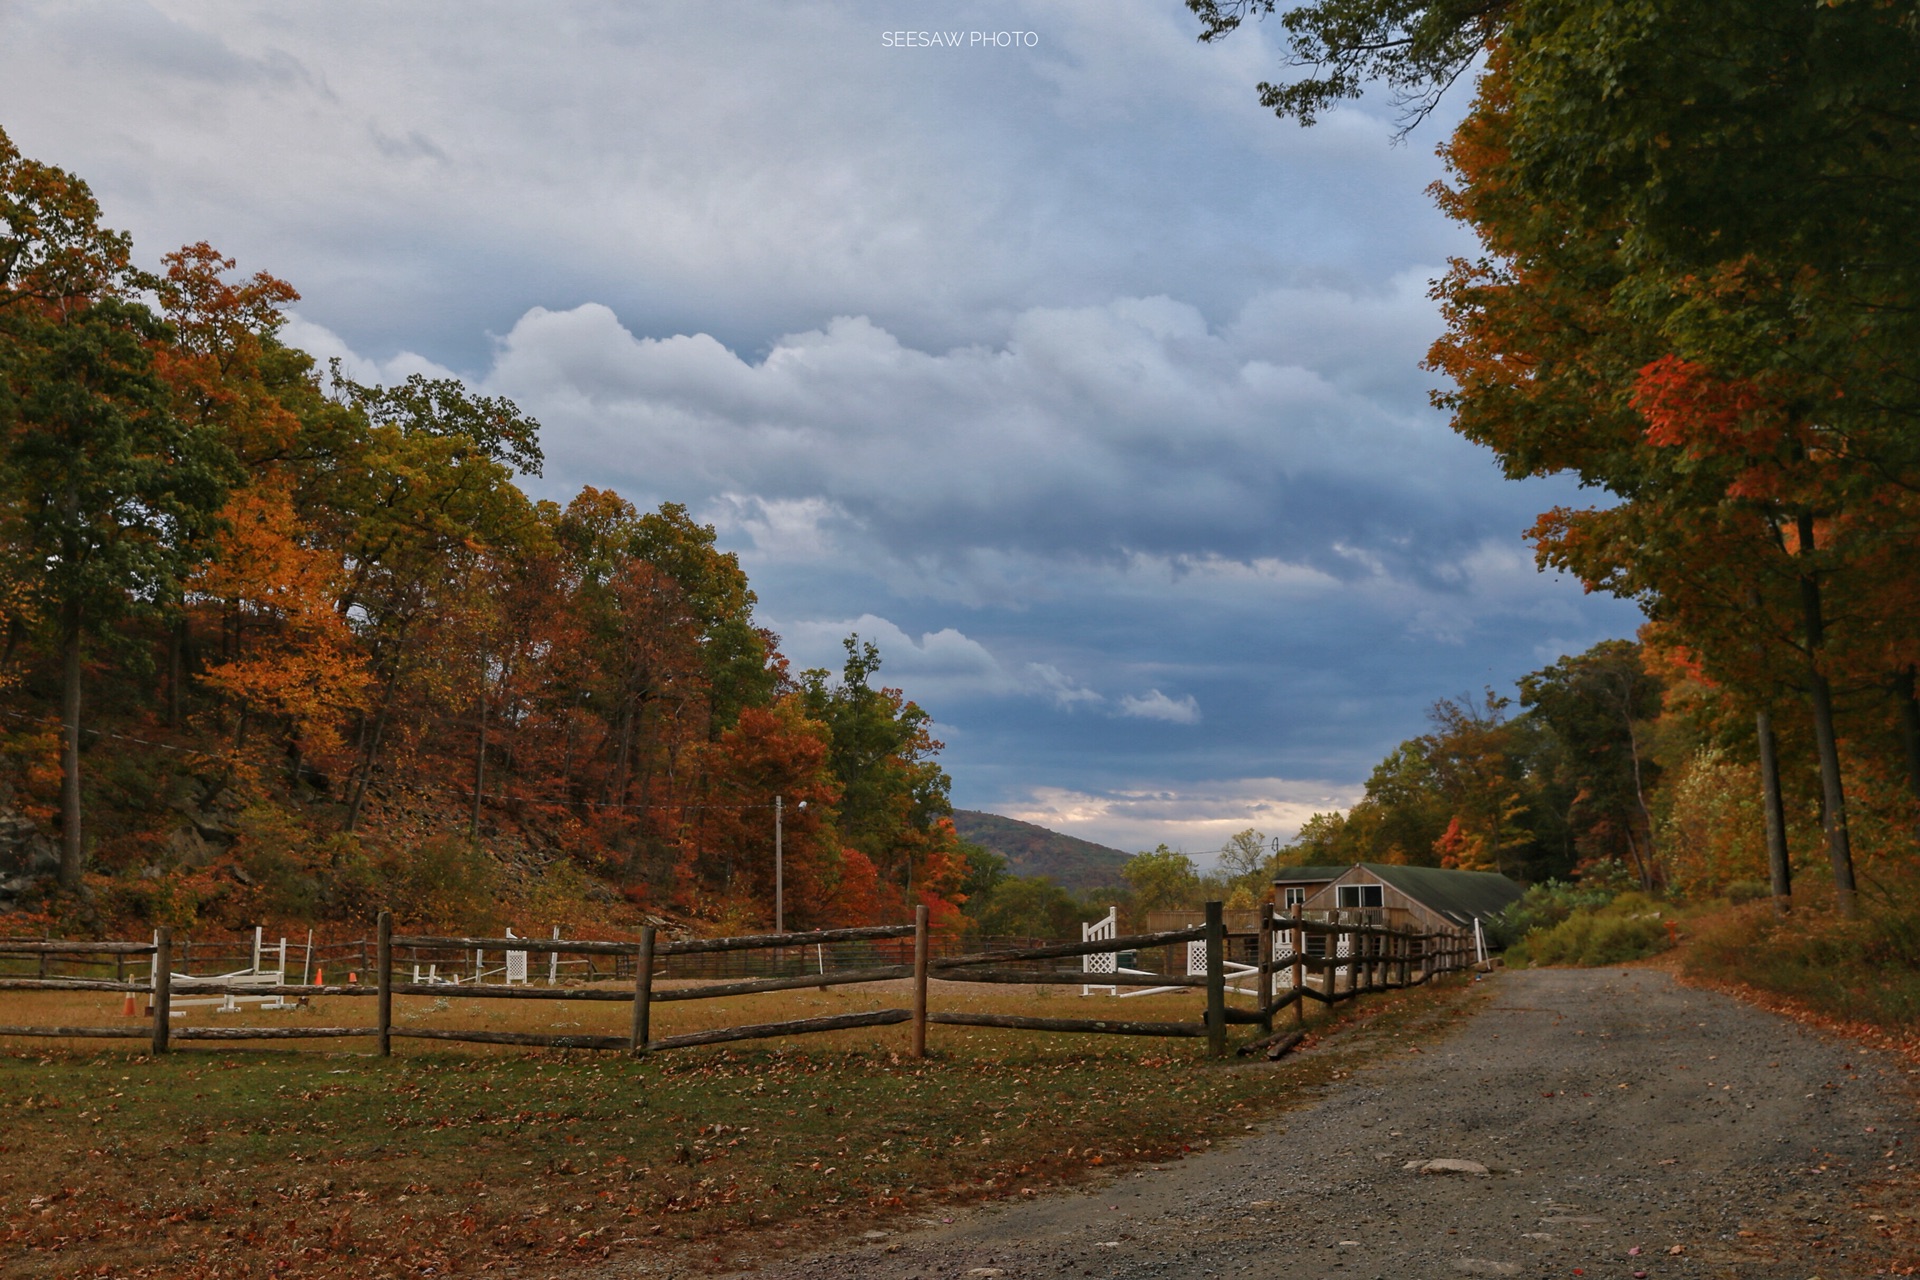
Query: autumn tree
1698, 294
104, 493
428, 488
1599, 707
894, 806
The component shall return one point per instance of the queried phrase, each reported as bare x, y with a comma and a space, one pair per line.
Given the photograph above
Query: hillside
1070, 862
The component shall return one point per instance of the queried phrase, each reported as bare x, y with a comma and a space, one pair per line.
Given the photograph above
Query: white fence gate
1101, 963
1282, 954
516, 963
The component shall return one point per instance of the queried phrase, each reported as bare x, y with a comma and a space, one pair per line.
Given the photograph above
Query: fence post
1299, 970
1263, 956
383, 972
642, 995
162, 989
920, 981
1216, 981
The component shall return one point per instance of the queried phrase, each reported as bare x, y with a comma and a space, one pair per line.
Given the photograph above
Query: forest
285, 648
1695, 294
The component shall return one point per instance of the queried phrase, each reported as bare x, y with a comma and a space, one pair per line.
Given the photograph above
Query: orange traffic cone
131, 1009
353, 978
319, 977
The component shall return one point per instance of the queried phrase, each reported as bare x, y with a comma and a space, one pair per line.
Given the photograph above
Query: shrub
1628, 928
1542, 906
1866, 969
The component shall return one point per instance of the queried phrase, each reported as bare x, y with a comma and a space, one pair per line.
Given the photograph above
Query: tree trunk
72, 851
479, 765
1639, 787
1640, 867
1909, 708
1820, 694
1776, 815
176, 670
371, 754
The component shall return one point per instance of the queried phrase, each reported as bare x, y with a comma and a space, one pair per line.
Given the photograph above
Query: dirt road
1628, 1125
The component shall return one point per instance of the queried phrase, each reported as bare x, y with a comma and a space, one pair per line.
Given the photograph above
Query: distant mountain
1068, 861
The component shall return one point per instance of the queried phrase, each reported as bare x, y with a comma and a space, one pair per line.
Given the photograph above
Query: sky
1015, 337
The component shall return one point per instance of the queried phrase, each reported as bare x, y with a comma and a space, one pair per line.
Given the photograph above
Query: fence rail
1354, 958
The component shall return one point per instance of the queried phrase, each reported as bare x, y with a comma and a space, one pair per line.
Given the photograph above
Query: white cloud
1061, 689
945, 666
412, 166
779, 528
324, 345
935, 669
1155, 705
1126, 429
1197, 816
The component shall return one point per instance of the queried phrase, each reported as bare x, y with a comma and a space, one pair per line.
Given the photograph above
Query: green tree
1029, 907
427, 493
1162, 879
1599, 707
894, 803
1418, 47
103, 491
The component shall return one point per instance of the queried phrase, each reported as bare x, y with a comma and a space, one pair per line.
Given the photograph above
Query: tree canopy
336, 658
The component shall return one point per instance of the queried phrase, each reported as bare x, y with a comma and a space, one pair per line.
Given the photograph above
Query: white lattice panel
1100, 964
1282, 952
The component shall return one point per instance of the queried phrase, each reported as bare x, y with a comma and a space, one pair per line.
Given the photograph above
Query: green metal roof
1301, 875
1461, 894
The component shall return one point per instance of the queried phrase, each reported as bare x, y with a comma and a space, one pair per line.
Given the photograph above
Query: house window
1360, 895
1296, 896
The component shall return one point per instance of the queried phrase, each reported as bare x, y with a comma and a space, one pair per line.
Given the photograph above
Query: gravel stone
1613, 1109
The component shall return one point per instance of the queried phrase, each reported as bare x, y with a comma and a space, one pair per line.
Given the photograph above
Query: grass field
324, 1161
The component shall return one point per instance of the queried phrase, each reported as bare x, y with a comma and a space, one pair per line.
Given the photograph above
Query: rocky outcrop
29, 858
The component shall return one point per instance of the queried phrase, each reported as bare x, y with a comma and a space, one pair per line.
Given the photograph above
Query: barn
1431, 898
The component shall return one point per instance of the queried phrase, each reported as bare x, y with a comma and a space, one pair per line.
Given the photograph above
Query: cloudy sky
1049, 361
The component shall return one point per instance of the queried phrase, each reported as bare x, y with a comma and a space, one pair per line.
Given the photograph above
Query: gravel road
1630, 1126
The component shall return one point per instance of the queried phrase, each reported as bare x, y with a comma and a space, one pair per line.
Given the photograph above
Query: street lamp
779, 868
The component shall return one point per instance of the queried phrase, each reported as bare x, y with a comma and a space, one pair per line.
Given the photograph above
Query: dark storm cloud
1061, 369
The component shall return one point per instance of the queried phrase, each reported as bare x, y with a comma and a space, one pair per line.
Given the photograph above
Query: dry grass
610, 1017
474, 1159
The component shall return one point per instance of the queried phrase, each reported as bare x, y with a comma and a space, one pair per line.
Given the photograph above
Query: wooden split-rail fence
1355, 958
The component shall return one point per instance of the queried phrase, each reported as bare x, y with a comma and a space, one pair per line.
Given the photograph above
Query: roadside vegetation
1860, 970
1557, 925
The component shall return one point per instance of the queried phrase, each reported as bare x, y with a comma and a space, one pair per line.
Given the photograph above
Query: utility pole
779, 872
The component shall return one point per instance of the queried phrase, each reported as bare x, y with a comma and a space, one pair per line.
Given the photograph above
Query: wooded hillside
1032, 850
285, 647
